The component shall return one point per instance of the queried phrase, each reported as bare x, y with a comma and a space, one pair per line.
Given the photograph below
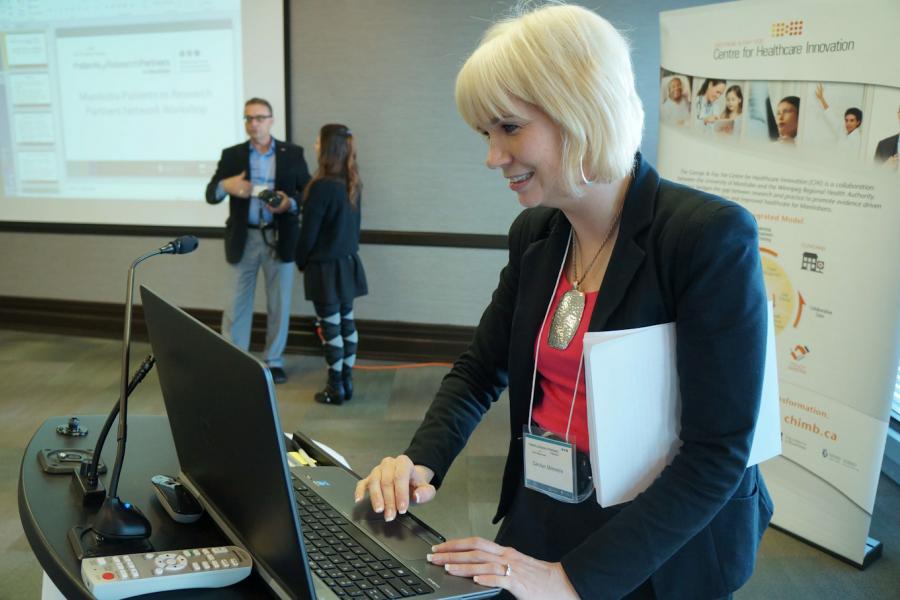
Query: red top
557, 370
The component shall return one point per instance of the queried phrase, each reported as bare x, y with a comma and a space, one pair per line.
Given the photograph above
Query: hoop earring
583, 178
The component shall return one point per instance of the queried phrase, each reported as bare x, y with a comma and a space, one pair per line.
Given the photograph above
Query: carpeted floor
47, 375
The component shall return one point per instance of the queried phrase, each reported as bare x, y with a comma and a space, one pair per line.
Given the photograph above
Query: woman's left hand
493, 565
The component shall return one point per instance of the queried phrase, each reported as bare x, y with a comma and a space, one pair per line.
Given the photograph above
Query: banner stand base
873, 552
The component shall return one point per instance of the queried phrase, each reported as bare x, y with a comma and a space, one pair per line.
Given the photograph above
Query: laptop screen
229, 440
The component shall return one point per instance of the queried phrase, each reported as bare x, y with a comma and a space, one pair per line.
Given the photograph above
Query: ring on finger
508, 570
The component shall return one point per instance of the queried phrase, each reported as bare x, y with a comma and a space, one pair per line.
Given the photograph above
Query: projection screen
117, 112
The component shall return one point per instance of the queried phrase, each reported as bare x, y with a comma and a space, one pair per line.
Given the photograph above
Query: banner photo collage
846, 124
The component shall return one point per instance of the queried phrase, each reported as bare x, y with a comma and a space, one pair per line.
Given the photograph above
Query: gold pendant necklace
566, 319
570, 310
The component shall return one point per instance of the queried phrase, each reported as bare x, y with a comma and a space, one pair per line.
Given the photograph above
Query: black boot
333, 393
347, 380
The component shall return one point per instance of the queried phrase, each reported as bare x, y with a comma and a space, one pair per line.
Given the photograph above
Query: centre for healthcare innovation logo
784, 28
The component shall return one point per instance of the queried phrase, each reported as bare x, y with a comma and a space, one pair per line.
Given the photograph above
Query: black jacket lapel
245, 160
627, 255
280, 167
538, 270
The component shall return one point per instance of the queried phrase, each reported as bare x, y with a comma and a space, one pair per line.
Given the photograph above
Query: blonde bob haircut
574, 66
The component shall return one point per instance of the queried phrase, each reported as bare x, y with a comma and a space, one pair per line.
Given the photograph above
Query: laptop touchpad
402, 536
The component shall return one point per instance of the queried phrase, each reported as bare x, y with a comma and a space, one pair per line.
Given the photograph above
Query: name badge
550, 466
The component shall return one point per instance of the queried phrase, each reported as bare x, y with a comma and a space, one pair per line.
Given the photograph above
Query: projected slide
116, 111
166, 91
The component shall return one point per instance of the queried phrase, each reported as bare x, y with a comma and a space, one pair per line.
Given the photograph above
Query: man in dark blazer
260, 232
887, 150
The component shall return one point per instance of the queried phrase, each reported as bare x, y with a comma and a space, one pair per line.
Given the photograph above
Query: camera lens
270, 198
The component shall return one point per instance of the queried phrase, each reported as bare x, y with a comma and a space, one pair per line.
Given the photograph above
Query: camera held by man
270, 198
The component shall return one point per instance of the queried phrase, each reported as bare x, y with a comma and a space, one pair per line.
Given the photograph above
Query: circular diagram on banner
780, 290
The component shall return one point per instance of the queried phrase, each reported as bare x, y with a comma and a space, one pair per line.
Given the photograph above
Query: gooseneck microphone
182, 245
117, 520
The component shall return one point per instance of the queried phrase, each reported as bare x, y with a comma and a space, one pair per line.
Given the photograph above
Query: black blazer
327, 252
291, 176
330, 226
683, 256
886, 148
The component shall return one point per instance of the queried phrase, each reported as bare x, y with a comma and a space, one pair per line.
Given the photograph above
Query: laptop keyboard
345, 559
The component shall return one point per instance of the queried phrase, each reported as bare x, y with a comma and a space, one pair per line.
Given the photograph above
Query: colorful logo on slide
799, 352
783, 28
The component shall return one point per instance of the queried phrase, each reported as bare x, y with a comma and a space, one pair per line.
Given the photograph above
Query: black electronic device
176, 499
66, 460
270, 197
232, 453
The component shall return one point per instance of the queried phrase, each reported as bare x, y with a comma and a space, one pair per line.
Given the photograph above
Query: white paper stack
634, 408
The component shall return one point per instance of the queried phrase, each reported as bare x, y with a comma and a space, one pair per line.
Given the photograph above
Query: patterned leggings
339, 338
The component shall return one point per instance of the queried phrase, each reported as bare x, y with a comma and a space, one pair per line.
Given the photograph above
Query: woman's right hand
392, 483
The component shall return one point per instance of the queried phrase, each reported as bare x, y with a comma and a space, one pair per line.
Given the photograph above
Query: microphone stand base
117, 520
87, 544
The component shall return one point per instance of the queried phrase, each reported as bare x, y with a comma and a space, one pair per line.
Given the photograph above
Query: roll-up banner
792, 109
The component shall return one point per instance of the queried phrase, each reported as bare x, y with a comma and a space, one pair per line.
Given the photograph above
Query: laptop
307, 537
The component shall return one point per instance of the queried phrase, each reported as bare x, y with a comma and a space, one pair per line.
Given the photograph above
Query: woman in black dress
327, 253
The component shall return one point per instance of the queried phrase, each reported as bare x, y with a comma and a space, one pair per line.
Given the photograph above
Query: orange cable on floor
405, 366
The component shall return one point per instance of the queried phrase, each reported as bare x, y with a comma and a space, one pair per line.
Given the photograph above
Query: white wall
386, 69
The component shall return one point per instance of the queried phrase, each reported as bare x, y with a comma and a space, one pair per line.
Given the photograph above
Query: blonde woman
604, 243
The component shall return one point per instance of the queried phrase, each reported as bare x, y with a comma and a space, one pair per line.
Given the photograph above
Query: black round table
50, 504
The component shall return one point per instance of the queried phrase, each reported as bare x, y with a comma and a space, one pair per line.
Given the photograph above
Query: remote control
126, 575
